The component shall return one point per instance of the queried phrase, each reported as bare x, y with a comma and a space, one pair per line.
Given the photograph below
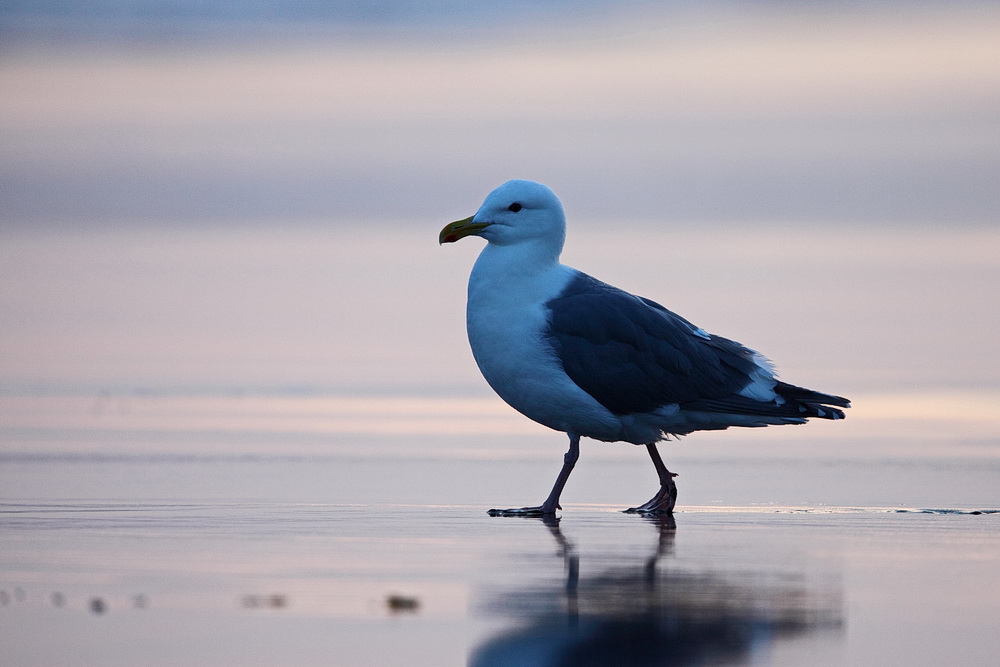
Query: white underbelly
506, 333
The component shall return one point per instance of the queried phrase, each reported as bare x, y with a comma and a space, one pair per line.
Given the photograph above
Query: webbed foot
664, 500
647, 509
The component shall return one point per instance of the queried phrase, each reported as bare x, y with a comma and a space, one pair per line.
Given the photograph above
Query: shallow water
214, 530
215, 583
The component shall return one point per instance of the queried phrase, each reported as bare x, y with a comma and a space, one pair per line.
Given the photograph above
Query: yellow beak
459, 229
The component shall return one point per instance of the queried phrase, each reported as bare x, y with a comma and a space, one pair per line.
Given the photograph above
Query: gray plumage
635, 356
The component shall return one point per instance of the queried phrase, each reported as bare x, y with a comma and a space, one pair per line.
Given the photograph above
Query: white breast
506, 319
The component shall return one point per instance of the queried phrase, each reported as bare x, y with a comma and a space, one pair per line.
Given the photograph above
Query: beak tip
457, 230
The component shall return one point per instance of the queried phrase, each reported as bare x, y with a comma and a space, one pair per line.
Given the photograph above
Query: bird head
516, 212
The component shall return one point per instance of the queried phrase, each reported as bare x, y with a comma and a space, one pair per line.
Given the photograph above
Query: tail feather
798, 405
813, 403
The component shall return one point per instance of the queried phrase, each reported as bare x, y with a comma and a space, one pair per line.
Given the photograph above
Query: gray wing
634, 356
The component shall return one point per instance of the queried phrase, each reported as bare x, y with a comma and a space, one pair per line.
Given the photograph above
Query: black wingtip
813, 403
823, 411
803, 395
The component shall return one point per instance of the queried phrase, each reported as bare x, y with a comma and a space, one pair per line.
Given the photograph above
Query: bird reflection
644, 613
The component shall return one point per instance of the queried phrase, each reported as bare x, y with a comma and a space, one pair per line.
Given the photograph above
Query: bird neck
528, 258
519, 274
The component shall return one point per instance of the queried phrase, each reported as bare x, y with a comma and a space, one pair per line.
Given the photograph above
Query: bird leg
663, 501
551, 503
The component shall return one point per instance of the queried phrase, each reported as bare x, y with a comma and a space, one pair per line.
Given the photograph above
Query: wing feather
634, 356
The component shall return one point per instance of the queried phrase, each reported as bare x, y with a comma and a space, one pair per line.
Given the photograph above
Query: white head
517, 212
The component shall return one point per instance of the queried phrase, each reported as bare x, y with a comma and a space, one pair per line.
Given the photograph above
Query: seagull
588, 359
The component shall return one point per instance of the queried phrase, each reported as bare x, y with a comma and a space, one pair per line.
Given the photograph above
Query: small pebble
402, 603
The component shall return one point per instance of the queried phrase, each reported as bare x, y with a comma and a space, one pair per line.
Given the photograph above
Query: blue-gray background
247, 195
792, 111
232, 354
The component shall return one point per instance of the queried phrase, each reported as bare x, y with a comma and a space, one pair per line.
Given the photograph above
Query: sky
248, 195
780, 111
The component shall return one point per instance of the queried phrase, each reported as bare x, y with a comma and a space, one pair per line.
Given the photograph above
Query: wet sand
102, 565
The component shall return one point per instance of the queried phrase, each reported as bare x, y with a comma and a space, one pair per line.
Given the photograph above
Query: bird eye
514, 208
